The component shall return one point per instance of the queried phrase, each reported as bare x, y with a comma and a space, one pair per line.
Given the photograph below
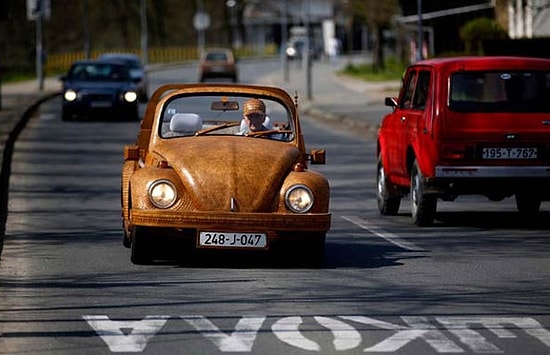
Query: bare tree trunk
378, 53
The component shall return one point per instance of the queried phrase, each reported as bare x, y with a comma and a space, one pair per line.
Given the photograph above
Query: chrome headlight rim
130, 96
70, 95
158, 201
292, 206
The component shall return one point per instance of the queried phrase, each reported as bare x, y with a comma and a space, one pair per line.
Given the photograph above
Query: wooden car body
192, 174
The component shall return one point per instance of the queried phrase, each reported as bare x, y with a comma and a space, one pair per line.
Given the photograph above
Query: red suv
467, 125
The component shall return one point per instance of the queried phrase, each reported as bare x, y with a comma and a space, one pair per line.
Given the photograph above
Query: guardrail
59, 63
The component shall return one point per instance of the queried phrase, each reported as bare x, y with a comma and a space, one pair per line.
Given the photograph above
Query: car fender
316, 182
142, 179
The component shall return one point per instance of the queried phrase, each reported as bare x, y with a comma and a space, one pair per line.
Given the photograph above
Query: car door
398, 137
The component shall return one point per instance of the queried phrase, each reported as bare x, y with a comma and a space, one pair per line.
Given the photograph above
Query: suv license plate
232, 240
509, 153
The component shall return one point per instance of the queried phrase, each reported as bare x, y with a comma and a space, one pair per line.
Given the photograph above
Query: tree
474, 32
378, 15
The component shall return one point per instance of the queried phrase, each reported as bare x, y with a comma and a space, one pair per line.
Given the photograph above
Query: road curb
19, 124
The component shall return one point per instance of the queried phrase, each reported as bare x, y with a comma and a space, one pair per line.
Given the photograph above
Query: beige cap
253, 106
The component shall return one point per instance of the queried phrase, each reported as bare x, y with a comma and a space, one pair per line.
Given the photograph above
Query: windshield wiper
215, 128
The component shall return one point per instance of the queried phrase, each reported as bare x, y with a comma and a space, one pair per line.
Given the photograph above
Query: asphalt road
477, 282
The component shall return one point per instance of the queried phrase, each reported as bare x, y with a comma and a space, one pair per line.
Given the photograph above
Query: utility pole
86, 29
284, 39
420, 34
144, 34
307, 50
39, 11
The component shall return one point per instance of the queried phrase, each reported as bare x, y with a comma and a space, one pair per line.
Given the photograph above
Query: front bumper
229, 221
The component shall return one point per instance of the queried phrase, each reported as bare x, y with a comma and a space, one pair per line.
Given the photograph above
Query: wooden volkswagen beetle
202, 172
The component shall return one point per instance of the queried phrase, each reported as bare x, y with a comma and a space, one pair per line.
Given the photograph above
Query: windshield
500, 91
99, 72
189, 116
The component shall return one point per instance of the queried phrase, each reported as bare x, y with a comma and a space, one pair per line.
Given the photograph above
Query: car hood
100, 85
223, 171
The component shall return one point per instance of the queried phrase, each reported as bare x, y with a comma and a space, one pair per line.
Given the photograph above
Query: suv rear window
500, 91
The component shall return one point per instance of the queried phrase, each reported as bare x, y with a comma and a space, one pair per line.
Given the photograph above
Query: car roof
225, 51
486, 63
119, 56
94, 61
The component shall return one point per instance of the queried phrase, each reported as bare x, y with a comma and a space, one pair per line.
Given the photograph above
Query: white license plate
232, 240
509, 153
100, 104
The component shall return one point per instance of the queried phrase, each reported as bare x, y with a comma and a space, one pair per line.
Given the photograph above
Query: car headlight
299, 198
70, 95
130, 96
162, 194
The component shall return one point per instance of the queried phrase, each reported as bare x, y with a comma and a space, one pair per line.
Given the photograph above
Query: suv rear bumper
494, 182
459, 172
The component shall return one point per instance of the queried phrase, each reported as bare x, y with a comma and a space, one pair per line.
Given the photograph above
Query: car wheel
143, 97
423, 206
316, 252
126, 239
66, 115
527, 203
387, 199
140, 246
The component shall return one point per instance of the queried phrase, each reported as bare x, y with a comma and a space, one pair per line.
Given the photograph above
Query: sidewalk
354, 104
17, 98
17, 101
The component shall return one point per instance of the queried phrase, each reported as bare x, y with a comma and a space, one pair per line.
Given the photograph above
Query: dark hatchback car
99, 89
137, 70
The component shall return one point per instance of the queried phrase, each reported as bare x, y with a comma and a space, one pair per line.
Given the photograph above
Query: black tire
387, 198
527, 203
140, 247
126, 238
423, 206
66, 115
316, 253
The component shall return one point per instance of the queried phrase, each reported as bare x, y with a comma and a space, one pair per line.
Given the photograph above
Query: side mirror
131, 153
317, 156
391, 102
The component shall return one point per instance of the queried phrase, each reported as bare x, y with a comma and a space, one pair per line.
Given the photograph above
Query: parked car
218, 63
137, 70
99, 89
198, 173
469, 125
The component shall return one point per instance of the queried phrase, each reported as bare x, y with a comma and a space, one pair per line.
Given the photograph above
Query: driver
254, 117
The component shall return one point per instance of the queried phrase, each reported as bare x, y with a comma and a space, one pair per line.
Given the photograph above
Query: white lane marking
287, 330
132, 336
345, 336
241, 339
460, 326
419, 328
390, 237
134, 339
48, 116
